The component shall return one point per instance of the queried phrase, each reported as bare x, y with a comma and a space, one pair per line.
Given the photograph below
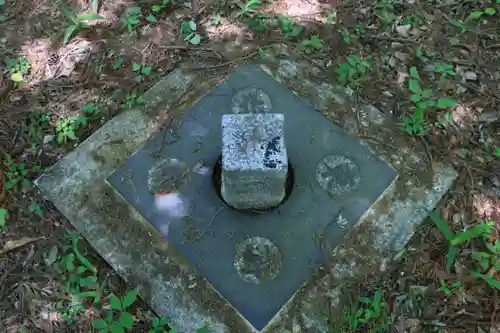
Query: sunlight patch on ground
487, 208
226, 31
463, 115
49, 63
292, 8
54, 66
37, 53
14, 328
49, 315
112, 10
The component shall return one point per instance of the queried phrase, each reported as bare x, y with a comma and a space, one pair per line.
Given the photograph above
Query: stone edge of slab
77, 186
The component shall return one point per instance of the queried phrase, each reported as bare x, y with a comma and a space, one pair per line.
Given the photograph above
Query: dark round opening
217, 181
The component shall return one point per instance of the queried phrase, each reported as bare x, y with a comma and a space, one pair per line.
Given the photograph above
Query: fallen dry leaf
12, 245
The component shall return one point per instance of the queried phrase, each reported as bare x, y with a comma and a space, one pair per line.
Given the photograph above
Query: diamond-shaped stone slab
77, 187
336, 180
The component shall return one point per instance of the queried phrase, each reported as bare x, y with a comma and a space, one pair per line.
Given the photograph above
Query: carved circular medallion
337, 174
167, 176
257, 260
251, 100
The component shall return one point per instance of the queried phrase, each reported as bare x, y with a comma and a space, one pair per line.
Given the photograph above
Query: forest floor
69, 66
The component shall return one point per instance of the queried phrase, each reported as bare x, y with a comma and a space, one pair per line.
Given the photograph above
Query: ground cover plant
433, 67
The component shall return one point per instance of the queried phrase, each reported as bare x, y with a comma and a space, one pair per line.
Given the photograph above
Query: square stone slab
335, 181
254, 160
140, 254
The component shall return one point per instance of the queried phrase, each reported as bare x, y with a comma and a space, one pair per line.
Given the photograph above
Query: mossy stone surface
132, 246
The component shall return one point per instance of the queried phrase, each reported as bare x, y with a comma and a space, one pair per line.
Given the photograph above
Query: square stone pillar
254, 160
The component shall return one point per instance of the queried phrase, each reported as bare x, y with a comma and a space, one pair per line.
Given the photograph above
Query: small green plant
414, 124
289, 28
354, 72
421, 97
444, 70
151, 18
413, 20
142, 71
77, 271
18, 68
480, 13
157, 8
424, 55
331, 18
65, 130
448, 287
2, 3
37, 124
459, 24
79, 121
462, 25
313, 44
91, 110
118, 63
3, 217
78, 22
188, 30
131, 18
369, 314
479, 230
36, 208
420, 53
261, 21
216, 19
16, 173
488, 261
117, 319
444, 121
248, 8
494, 283
160, 325
384, 10
131, 100
79, 281
424, 98
349, 37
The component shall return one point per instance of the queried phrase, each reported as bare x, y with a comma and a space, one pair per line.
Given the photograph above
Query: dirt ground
54, 94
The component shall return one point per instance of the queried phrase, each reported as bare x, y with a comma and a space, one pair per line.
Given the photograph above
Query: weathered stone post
254, 160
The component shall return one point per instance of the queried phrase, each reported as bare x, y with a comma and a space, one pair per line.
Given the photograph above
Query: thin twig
314, 62
427, 150
190, 48
389, 39
208, 226
227, 63
358, 116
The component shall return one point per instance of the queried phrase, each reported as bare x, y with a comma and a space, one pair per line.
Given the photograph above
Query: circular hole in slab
217, 182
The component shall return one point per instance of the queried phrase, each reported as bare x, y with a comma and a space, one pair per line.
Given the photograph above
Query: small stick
190, 48
227, 63
208, 226
427, 150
